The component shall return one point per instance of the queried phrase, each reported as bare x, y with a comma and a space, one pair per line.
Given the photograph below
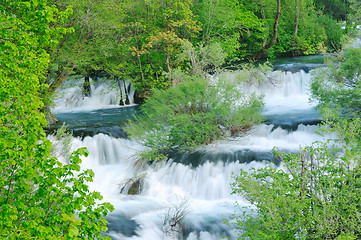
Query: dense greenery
40, 197
166, 48
139, 40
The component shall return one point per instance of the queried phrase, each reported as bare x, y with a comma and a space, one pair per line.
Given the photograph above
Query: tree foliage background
140, 40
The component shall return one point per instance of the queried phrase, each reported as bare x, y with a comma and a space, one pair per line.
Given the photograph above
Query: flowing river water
198, 182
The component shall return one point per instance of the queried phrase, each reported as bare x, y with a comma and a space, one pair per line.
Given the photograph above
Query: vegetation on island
192, 113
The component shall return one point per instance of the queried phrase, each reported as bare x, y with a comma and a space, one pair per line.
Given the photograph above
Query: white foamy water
205, 185
265, 137
290, 93
207, 188
104, 93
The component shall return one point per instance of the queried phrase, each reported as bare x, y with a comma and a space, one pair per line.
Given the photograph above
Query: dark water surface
89, 123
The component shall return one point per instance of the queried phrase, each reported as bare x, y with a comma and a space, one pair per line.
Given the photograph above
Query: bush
338, 86
314, 195
192, 113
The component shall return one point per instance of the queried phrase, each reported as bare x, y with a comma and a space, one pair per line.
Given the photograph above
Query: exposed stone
133, 186
139, 97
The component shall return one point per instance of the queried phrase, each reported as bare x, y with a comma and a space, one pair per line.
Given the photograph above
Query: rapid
194, 185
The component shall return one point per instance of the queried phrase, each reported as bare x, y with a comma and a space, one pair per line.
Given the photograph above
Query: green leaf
73, 231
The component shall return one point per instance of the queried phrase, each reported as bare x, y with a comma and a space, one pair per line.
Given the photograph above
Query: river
196, 185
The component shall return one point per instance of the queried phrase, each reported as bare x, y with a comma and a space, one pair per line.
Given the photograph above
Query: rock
139, 97
133, 186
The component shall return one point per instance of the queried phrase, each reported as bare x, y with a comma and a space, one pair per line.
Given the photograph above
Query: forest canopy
140, 40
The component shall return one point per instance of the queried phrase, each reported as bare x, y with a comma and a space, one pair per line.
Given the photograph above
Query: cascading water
104, 93
198, 182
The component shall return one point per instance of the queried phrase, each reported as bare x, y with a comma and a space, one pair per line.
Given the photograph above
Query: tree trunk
64, 74
168, 66
121, 103
140, 67
86, 86
127, 102
296, 18
266, 46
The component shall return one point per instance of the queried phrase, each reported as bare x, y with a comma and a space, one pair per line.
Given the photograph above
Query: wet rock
139, 97
133, 186
208, 224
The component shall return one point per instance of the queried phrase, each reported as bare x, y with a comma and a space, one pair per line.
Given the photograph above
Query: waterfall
201, 179
104, 93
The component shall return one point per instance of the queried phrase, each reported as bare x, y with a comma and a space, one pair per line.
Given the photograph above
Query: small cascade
205, 186
104, 93
199, 181
206, 190
289, 92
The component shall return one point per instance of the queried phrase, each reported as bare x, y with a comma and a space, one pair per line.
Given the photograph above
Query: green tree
87, 42
153, 32
269, 13
223, 22
300, 31
40, 198
338, 9
288, 27
341, 10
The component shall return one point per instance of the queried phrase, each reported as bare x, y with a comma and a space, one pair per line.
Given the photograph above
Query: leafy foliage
140, 40
223, 22
40, 198
338, 86
333, 32
315, 194
151, 37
